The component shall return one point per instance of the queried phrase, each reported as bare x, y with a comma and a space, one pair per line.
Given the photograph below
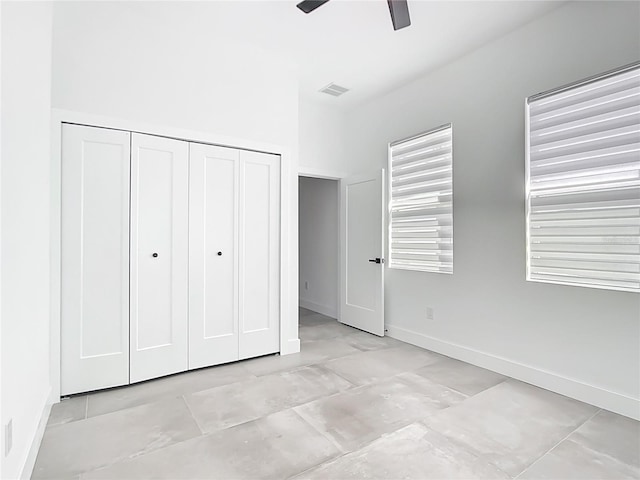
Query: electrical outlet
306, 285
429, 313
8, 437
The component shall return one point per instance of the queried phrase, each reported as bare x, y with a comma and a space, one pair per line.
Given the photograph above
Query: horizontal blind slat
589, 257
579, 272
587, 125
604, 213
589, 173
626, 98
612, 267
587, 222
605, 139
428, 152
582, 239
568, 249
611, 156
582, 207
582, 281
580, 94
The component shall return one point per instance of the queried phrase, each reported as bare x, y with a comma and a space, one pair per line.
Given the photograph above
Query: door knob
376, 260
219, 254
155, 255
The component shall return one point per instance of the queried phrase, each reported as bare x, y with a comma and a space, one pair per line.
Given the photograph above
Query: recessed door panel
159, 256
260, 254
155, 225
95, 259
213, 256
256, 246
361, 243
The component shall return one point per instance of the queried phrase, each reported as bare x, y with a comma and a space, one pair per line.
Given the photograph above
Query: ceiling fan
398, 8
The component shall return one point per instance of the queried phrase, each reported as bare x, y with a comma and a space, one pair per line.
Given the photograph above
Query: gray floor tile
613, 435
366, 341
572, 461
315, 319
230, 405
73, 448
371, 366
358, 416
168, 387
323, 331
512, 424
274, 447
270, 364
460, 376
68, 410
304, 312
412, 452
310, 353
330, 348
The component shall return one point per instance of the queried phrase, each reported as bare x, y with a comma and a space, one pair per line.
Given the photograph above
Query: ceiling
353, 44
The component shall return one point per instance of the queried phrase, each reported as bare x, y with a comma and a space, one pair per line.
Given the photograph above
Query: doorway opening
319, 251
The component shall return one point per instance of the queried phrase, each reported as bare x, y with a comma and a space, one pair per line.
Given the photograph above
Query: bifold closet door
159, 256
213, 256
95, 259
259, 256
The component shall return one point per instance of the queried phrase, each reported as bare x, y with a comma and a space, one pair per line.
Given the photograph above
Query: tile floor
350, 405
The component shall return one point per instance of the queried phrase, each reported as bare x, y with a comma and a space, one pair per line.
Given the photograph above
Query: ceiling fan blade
399, 13
308, 6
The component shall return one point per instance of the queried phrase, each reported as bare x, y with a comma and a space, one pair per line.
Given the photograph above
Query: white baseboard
318, 308
615, 402
30, 462
291, 346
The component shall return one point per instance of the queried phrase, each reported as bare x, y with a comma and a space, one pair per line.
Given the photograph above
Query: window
583, 183
421, 202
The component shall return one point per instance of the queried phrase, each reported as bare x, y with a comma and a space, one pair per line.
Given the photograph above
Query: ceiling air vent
333, 89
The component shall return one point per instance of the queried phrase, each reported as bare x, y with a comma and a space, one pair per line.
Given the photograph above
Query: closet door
159, 256
213, 256
259, 262
95, 259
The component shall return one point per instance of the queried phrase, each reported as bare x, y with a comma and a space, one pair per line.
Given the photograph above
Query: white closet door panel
95, 259
213, 256
260, 254
159, 256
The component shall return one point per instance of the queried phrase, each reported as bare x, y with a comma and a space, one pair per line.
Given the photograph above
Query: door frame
323, 174
289, 340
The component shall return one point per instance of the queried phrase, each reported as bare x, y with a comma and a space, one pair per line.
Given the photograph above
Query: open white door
362, 252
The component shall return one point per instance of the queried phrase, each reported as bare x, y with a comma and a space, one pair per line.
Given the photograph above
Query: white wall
26, 110
1, 418
168, 63
319, 245
322, 141
581, 342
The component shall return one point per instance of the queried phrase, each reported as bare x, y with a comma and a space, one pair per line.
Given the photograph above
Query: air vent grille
333, 89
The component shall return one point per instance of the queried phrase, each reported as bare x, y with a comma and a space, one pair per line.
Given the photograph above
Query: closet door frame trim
289, 340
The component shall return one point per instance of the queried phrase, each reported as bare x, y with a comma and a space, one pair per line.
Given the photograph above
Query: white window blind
421, 202
583, 183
